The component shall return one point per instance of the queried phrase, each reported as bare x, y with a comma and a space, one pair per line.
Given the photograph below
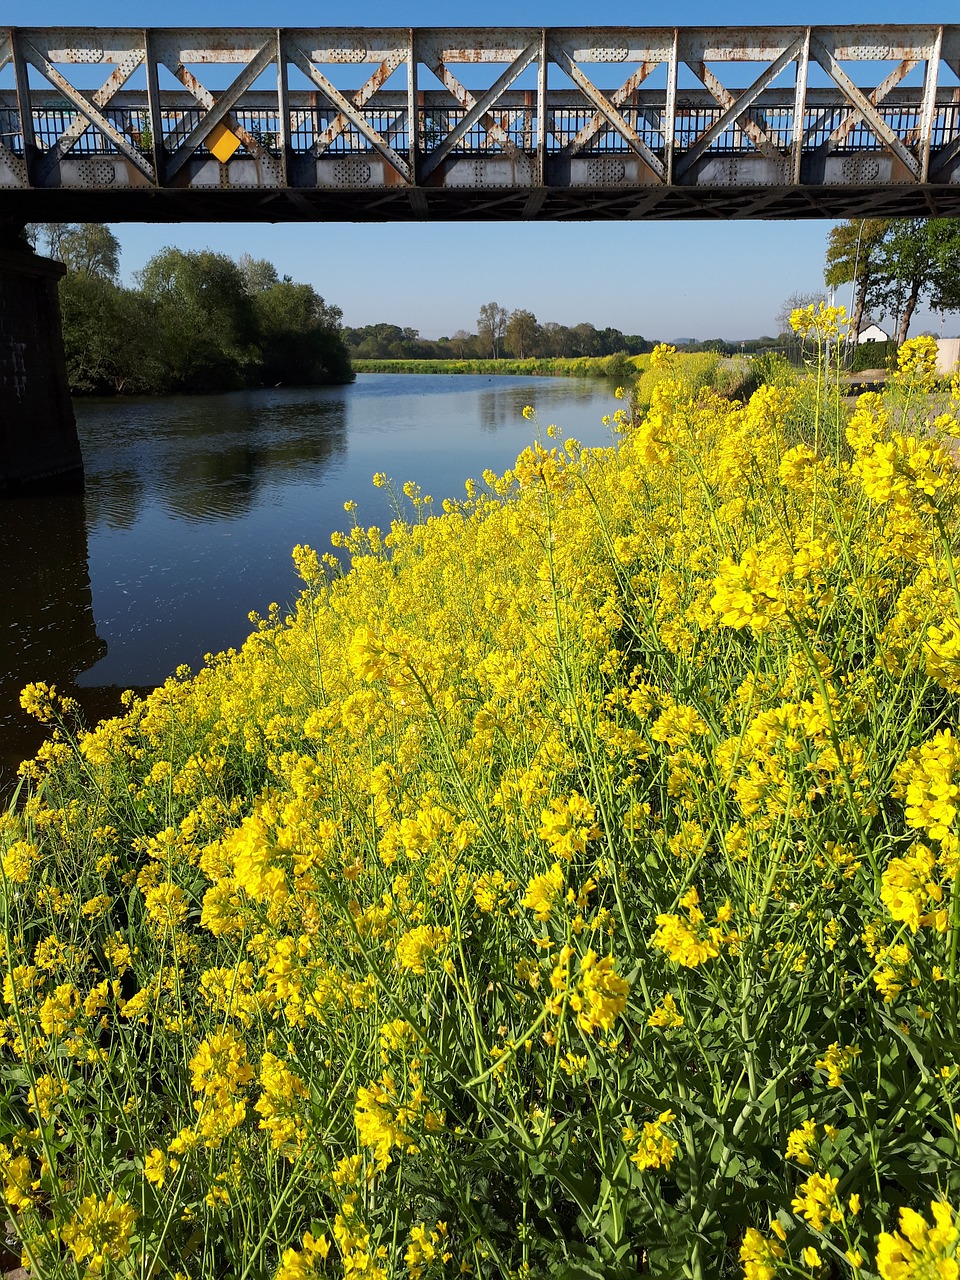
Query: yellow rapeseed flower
920, 1249
100, 1232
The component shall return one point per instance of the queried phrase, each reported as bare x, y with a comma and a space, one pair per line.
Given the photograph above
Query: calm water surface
193, 504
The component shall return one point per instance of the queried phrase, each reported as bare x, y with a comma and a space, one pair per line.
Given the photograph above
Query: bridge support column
39, 447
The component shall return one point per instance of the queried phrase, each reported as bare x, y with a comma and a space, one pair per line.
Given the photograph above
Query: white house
873, 333
948, 356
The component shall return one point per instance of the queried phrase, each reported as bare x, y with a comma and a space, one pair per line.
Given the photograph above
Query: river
193, 504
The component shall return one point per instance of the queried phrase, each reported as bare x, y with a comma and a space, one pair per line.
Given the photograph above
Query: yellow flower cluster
690, 941
824, 322
911, 892
919, 1248
838, 1059
817, 1201
928, 781
760, 1256
567, 825
100, 1232
655, 1148
747, 594
417, 945
917, 360
383, 1122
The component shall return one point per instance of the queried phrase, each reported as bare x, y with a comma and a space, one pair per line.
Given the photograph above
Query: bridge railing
520, 125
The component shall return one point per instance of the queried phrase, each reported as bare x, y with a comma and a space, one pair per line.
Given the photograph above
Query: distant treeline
196, 321
522, 341
521, 336
734, 378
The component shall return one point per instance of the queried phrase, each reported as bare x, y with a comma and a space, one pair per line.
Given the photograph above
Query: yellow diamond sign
222, 142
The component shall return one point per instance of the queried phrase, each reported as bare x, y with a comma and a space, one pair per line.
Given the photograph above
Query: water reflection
194, 503
203, 458
47, 627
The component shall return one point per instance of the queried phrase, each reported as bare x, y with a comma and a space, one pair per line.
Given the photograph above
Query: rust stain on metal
746, 123
846, 127
622, 95
360, 99
496, 132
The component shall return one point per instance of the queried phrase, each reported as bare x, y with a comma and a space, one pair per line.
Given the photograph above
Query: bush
874, 355
569, 889
619, 367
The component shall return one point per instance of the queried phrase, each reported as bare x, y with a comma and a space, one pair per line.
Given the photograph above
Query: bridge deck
363, 124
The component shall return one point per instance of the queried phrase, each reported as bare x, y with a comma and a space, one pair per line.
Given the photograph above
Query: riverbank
616, 366
568, 888
193, 503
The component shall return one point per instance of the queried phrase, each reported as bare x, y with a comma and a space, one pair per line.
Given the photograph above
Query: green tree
920, 259
258, 274
945, 277
85, 248
555, 339
300, 337
522, 334
854, 255
108, 337
462, 343
586, 340
491, 326
206, 328
107, 331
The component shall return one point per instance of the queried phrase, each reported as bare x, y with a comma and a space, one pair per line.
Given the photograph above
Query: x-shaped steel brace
853, 116
75, 131
866, 109
606, 108
350, 111
218, 108
89, 107
735, 107
360, 99
478, 109
598, 121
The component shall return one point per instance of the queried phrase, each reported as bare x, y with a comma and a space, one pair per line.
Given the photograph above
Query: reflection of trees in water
205, 458
113, 498
502, 406
47, 628
490, 409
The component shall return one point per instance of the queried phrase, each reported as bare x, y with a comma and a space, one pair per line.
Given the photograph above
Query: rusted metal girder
494, 123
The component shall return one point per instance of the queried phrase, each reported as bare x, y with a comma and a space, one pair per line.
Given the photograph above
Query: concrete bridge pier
39, 447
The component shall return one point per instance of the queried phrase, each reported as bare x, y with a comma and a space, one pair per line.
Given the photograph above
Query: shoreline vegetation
568, 888
732, 377
616, 366
193, 322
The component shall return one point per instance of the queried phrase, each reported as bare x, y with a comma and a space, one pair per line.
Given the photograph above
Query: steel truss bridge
499, 124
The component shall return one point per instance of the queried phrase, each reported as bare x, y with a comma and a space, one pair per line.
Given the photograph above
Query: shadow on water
47, 628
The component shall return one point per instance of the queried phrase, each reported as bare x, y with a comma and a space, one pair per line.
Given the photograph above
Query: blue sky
661, 279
